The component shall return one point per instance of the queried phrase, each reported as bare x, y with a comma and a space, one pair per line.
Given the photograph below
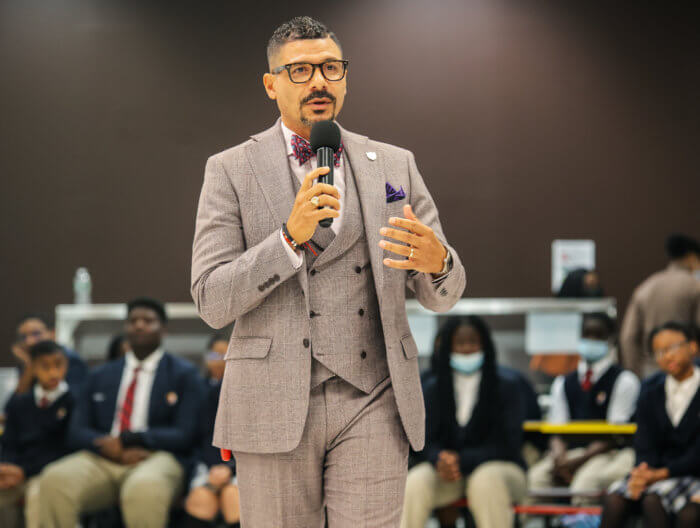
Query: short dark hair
604, 318
147, 302
45, 318
44, 348
298, 28
679, 246
687, 330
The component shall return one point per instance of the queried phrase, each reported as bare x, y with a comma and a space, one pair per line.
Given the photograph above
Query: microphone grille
325, 134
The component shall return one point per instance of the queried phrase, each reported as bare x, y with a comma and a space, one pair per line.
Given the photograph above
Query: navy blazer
502, 439
660, 444
35, 437
173, 409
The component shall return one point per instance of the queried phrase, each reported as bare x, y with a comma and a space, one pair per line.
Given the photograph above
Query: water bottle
82, 286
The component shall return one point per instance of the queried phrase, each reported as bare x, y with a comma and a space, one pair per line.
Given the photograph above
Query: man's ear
52, 333
269, 84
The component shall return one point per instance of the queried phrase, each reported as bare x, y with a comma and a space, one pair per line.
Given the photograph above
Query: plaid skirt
674, 493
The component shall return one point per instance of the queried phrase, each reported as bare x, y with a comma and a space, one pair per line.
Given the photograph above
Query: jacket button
361, 311
313, 272
358, 269
312, 313
363, 354
276, 277
306, 343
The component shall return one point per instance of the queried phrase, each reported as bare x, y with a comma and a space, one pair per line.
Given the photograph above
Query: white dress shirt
142, 392
51, 396
300, 171
466, 389
679, 394
623, 398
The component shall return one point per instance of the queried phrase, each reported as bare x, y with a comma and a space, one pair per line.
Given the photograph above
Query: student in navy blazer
135, 425
474, 434
665, 483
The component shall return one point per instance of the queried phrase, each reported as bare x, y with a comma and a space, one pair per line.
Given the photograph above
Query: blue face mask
593, 350
467, 363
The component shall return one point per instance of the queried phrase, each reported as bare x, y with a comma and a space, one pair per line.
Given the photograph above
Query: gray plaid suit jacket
241, 271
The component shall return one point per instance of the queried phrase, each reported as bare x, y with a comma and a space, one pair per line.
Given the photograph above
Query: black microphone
325, 142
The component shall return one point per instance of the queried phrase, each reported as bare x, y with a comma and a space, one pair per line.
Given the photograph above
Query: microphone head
325, 134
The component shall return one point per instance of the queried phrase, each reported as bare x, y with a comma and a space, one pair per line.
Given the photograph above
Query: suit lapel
268, 157
157, 396
372, 195
690, 417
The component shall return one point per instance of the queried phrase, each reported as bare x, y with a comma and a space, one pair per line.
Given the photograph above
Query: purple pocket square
392, 195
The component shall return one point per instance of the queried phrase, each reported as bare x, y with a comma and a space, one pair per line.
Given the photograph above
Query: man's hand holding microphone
306, 214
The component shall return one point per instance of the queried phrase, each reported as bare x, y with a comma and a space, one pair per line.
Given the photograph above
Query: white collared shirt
679, 394
466, 389
300, 171
623, 397
142, 392
51, 396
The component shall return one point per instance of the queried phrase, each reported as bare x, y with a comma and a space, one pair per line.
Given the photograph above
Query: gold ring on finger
410, 255
314, 200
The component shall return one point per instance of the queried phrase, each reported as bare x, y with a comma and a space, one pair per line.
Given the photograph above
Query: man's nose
318, 81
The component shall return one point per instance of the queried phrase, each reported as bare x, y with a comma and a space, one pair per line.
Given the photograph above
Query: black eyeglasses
301, 72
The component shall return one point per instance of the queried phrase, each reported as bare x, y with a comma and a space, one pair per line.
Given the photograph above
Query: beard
308, 120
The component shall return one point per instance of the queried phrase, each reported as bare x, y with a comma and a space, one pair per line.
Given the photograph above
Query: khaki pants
595, 475
85, 482
10, 511
491, 490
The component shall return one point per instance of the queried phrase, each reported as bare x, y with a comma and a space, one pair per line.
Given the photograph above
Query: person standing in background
669, 295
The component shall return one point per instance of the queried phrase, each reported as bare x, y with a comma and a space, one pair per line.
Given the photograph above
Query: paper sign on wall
568, 255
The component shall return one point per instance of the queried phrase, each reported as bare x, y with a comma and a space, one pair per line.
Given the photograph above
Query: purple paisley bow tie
302, 151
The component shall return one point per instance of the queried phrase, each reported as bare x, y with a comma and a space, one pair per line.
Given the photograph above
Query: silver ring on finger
314, 200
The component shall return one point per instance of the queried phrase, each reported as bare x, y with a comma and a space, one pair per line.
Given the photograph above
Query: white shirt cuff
296, 258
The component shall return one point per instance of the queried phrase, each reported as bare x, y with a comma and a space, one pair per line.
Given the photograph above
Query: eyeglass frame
288, 67
671, 348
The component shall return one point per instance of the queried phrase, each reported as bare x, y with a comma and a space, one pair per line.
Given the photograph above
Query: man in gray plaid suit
321, 393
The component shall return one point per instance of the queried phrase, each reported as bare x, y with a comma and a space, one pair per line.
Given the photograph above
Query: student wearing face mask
473, 432
598, 389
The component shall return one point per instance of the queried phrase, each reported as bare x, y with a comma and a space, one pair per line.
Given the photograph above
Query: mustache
318, 95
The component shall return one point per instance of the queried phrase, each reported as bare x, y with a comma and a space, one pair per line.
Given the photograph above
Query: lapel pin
98, 396
372, 155
171, 398
61, 413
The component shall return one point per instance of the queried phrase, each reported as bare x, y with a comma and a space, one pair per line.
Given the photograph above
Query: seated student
473, 433
213, 488
34, 434
214, 358
31, 329
598, 390
134, 423
666, 480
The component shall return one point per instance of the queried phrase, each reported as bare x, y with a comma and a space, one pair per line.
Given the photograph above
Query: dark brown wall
529, 121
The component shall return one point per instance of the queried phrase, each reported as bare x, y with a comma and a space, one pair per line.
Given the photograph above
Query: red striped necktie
128, 405
587, 383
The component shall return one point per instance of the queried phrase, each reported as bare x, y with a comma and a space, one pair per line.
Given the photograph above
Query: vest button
306, 343
361, 311
313, 272
363, 354
358, 269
